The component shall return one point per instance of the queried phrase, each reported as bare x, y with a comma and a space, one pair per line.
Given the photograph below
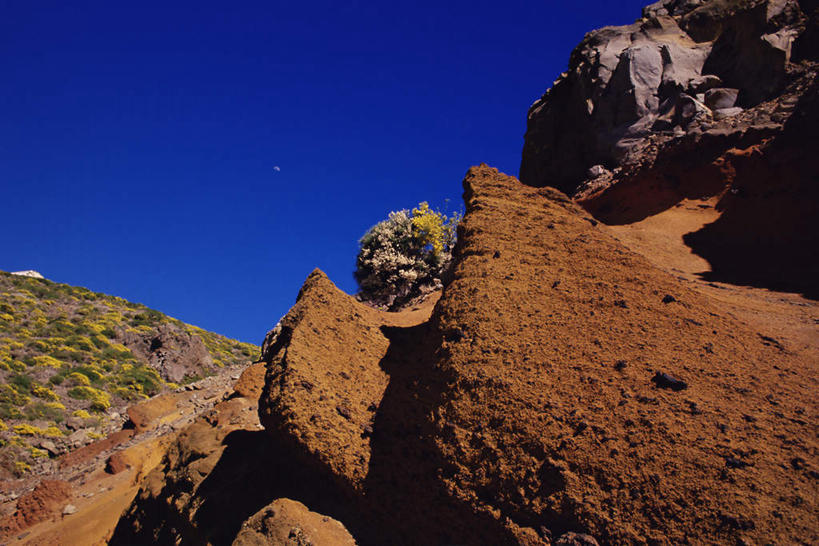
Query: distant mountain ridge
72, 360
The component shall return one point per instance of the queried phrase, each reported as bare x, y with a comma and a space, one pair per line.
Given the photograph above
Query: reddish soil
46, 501
91, 451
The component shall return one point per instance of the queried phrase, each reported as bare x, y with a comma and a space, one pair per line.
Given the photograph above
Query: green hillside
72, 359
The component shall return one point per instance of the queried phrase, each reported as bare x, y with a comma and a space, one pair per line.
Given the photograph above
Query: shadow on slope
766, 235
403, 485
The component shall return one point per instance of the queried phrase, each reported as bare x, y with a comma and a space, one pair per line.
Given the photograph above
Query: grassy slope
61, 365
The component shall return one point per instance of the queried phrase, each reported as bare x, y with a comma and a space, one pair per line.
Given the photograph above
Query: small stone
665, 381
736, 522
668, 298
344, 412
721, 98
694, 408
69, 509
596, 170
798, 463
620, 365
575, 539
497, 254
732, 462
725, 113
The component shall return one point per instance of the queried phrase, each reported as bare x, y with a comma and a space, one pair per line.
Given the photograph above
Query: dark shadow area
767, 235
253, 471
403, 487
687, 170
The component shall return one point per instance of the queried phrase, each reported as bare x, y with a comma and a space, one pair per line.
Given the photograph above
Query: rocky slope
88, 489
72, 361
700, 99
561, 384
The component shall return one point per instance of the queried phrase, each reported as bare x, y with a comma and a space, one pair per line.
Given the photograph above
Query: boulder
288, 522
170, 350
721, 97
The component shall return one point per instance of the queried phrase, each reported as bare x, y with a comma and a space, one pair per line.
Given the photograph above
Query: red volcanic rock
44, 502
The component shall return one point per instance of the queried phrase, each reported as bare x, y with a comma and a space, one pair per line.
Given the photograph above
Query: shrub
141, 379
78, 379
50, 411
29, 430
404, 254
100, 401
47, 361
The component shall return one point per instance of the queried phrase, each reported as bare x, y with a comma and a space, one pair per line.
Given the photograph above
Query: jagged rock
172, 351
631, 88
289, 522
48, 446
269, 343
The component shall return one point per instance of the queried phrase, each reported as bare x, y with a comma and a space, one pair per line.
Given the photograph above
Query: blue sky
139, 142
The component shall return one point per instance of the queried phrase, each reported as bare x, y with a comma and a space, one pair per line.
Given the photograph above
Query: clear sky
203, 157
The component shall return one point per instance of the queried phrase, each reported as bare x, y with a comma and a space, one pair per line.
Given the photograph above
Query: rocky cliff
685, 69
562, 384
697, 99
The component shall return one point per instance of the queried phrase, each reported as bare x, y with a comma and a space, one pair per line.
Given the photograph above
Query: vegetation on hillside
404, 255
63, 367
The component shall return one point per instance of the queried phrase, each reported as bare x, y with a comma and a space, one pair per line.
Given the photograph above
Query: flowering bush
404, 255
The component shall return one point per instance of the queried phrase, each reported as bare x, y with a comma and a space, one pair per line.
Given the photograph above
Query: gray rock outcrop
171, 351
685, 66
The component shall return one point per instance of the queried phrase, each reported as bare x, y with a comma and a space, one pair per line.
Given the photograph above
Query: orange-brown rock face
325, 382
553, 336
